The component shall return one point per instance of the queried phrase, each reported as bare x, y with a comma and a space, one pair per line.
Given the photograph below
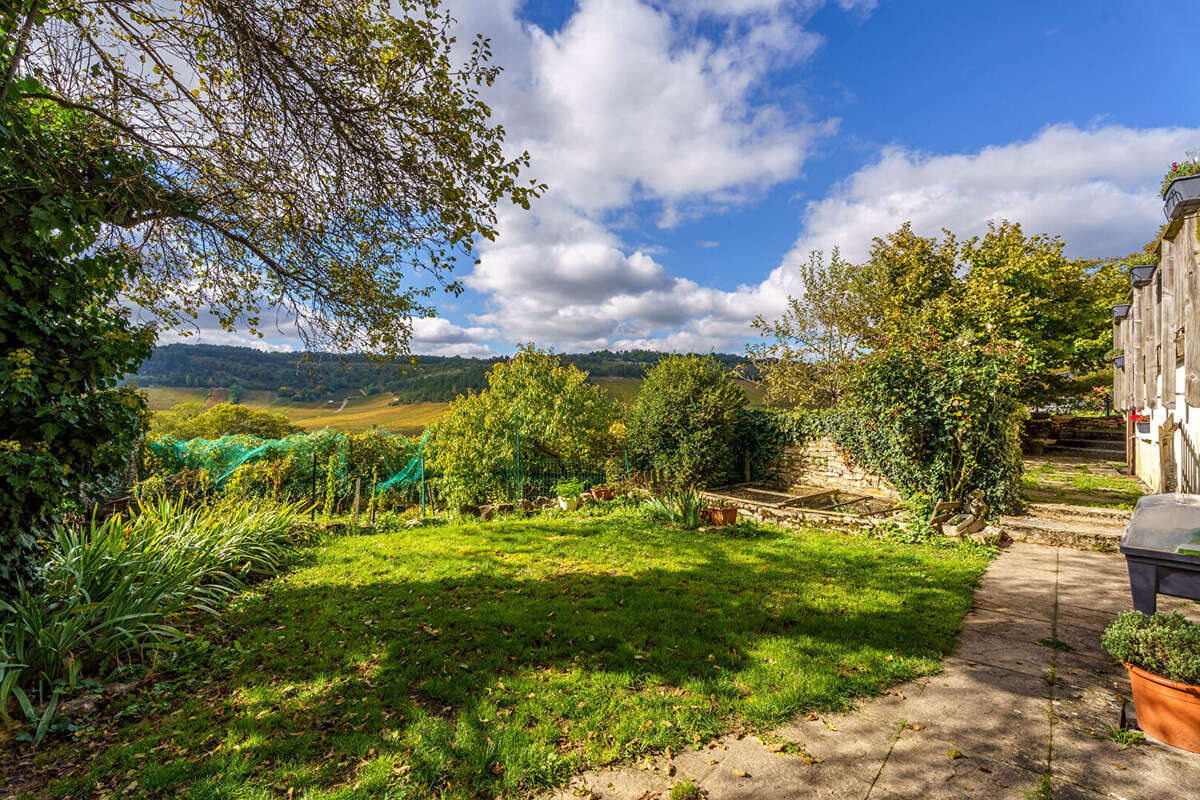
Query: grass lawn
1078, 481
489, 659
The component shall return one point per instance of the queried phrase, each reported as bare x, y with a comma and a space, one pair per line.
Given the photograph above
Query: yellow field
360, 414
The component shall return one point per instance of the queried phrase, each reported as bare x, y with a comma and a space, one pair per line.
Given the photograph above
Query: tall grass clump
680, 507
116, 590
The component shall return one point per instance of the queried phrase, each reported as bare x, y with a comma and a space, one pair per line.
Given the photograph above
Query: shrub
188, 421
938, 418
113, 590
1165, 644
533, 402
683, 424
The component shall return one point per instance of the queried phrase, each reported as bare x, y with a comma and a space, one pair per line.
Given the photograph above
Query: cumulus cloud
1097, 188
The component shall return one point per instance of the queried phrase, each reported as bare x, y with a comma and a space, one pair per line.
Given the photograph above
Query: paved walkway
1010, 708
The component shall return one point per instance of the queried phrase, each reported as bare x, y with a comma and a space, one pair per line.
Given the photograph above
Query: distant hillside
435, 379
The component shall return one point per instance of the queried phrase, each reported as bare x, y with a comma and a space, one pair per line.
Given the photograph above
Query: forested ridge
293, 376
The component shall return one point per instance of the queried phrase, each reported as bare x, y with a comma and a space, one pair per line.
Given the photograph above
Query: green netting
298, 463
413, 472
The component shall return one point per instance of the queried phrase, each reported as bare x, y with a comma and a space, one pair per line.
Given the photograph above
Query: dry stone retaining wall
820, 462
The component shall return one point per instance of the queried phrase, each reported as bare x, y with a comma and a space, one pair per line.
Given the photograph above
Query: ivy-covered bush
937, 418
1166, 644
66, 430
684, 422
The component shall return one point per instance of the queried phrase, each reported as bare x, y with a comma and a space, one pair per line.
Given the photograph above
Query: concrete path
1027, 698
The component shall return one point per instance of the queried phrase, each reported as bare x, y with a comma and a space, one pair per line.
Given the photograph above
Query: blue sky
696, 151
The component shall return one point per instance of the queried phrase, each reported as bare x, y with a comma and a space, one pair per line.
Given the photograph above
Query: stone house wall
820, 462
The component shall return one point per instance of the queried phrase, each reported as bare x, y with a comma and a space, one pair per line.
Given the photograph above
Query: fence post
422, 484
314, 487
357, 489
625, 450
517, 429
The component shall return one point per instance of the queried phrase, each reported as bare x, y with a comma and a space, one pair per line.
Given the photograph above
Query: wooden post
1167, 326
1191, 308
357, 490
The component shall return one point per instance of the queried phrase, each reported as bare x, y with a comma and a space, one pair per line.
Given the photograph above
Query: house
1156, 333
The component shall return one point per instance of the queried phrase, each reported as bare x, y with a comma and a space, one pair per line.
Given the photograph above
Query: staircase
1058, 525
1103, 445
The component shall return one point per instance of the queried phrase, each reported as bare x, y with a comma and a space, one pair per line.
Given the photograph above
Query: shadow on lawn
499, 679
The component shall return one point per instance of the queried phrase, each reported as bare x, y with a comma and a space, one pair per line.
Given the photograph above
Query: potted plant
1181, 184
1162, 654
720, 513
569, 492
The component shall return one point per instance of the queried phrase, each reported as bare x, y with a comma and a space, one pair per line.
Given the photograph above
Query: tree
192, 421
65, 429
1003, 284
812, 347
683, 423
551, 407
328, 160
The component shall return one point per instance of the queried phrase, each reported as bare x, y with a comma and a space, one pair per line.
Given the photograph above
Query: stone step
1098, 453
1081, 534
1090, 444
1093, 436
1065, 512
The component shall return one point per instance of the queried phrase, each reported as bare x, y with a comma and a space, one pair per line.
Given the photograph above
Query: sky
697, 151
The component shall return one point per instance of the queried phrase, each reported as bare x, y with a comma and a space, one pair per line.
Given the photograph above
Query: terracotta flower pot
602, 493
721, 515
1167, 710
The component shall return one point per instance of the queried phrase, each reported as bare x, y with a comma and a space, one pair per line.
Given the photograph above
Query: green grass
489, 659
1064, 480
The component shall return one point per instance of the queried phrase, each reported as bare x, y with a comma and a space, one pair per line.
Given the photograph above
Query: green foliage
1001, 285
1179, 170
193, 421
938, 418
551, 408
114, 590
65, 429
680, 507
573, 487
383, 195
683, 424
810, 351
1167, 645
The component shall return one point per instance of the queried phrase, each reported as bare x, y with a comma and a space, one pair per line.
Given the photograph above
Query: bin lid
1165, 523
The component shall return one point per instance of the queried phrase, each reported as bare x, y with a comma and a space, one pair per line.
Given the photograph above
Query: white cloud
1097, 188
628, 107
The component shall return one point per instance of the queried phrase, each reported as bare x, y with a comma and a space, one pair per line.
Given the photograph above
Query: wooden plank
1191, 315
1135, 361
1166, 327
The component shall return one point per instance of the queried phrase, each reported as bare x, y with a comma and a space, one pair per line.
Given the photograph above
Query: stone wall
820, 462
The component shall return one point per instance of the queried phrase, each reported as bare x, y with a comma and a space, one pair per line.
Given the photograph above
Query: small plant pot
1167, 710
602, 493
568, 503
721, 515
1143, 427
